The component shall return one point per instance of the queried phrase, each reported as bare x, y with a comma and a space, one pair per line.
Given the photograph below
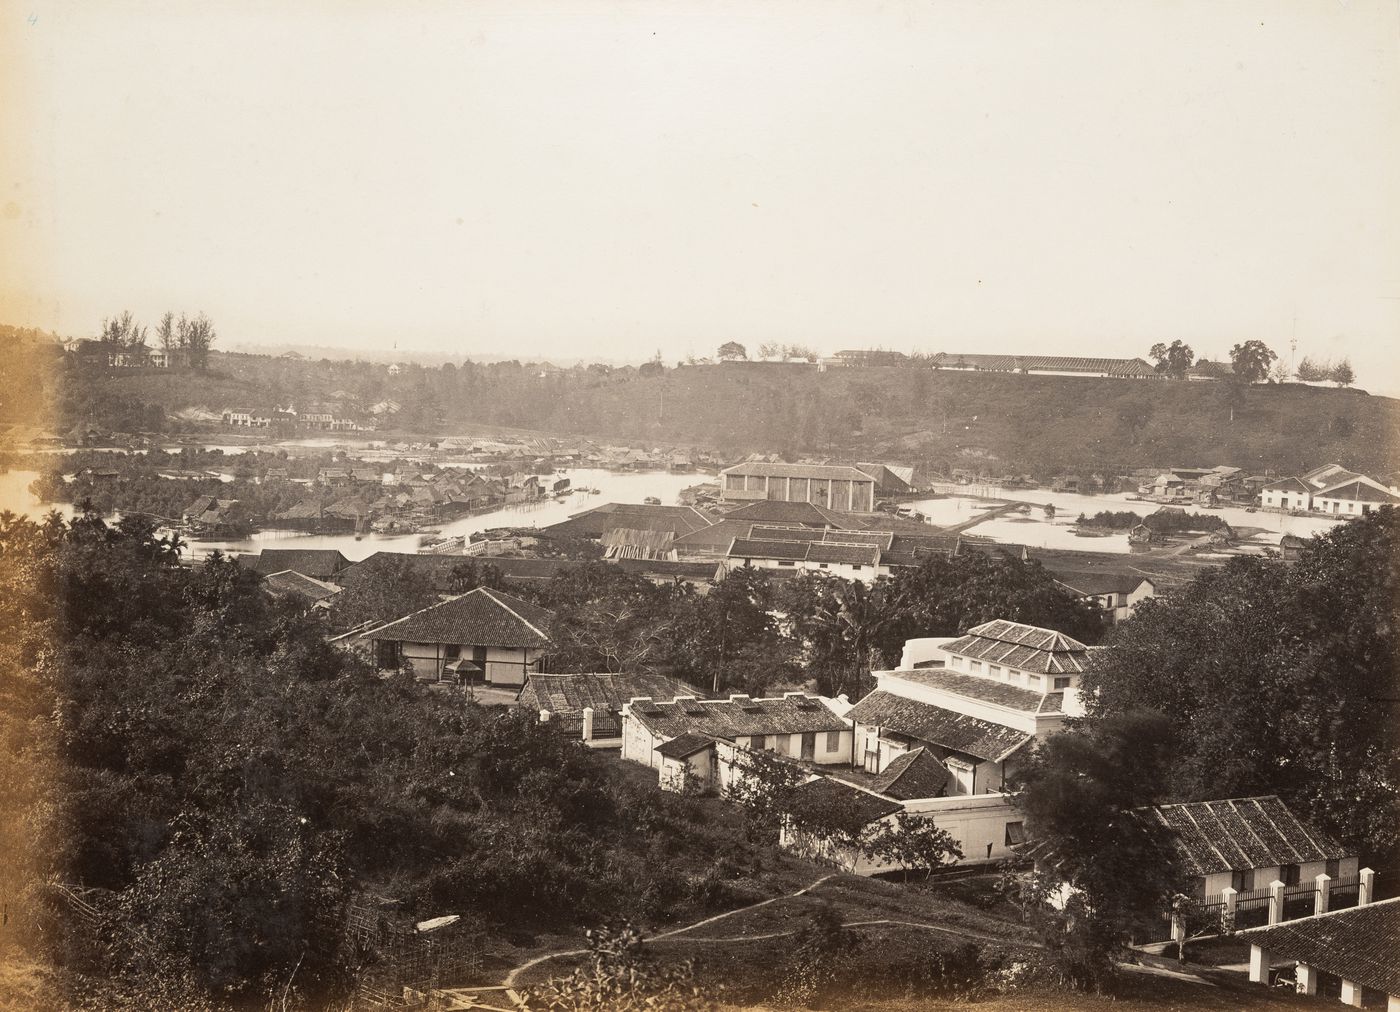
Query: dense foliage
1279, 678
192, 750
1165, 521
1102, 874
751, 633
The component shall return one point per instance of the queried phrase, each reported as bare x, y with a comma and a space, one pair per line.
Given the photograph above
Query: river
1038, 532
16, 497
613, 486
633, 487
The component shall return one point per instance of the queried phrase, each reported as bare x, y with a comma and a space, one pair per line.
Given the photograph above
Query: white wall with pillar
1306, 974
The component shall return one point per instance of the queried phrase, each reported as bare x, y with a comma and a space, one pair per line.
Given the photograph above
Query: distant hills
993, 422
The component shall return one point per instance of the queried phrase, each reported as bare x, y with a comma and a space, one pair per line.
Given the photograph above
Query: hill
1040, 425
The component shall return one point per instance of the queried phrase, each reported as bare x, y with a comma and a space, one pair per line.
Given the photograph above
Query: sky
608, 179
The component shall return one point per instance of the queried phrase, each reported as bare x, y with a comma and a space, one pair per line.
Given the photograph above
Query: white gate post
1227, 914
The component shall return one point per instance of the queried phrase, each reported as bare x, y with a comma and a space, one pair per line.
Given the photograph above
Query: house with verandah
482, 637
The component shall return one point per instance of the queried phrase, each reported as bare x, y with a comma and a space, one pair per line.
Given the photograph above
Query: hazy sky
603, 178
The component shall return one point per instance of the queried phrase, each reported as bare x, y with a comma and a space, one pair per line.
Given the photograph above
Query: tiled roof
1242, 833
1100, 583
436, 568
480, 617
307, 509
1027, 647
289, 581
769, 532
1357, 491
742, 548
1288, 485
988, 690
319, 563
1327, 474
738, 716
937, 726
1361, 944
915, 774
870, 807
567, 695
770, 511
845, 555
685, 745
1052, 363
797, 551
821, 472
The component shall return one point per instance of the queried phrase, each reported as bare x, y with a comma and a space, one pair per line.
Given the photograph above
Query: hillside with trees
992, 422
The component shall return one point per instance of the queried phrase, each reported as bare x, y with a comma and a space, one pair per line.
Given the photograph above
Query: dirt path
513, 978
488, 997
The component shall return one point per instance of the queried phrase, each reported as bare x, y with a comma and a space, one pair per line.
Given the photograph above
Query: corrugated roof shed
938, 726
629, 543
1361, 944
481, 617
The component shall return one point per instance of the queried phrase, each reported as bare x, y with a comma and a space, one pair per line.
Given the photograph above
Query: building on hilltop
865, 358
1048, 365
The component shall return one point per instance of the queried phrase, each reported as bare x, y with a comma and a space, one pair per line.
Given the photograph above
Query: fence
401, 965
1253, 908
